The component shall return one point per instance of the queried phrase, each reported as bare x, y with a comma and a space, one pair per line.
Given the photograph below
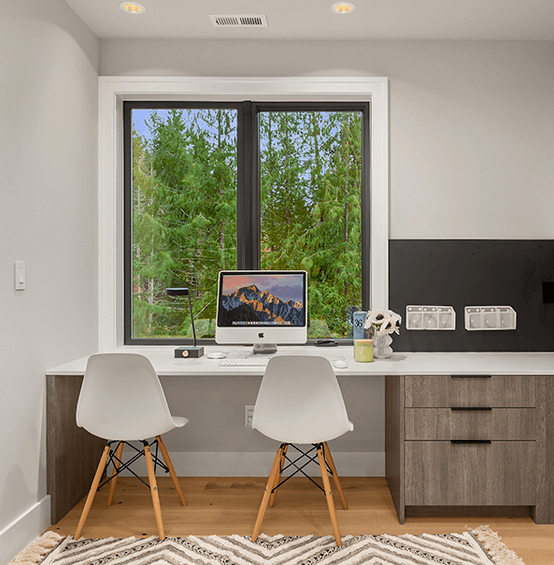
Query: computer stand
264, 348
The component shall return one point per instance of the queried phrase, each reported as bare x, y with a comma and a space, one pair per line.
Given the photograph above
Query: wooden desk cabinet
498, 459
470, 443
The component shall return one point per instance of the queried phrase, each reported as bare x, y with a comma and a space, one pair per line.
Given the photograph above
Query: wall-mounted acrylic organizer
430, 318
480, 318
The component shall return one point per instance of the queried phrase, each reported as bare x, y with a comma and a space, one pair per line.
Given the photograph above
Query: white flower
384, 321
374, 318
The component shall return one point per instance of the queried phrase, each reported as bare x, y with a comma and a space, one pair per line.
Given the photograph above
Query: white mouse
340, 364
216, 355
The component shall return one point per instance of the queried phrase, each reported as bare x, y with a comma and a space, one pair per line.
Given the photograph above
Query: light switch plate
20, 275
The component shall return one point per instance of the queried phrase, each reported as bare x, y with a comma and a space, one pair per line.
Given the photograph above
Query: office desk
437, 459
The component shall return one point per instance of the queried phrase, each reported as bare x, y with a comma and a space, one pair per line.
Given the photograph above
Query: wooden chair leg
328, 494
116, 465
169, 464
93, 489
278, 477
154, 491
267, 493
329, 459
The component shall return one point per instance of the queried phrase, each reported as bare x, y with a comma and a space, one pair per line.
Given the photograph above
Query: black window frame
248, 192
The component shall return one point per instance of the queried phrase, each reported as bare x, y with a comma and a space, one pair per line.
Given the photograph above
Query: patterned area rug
467, 548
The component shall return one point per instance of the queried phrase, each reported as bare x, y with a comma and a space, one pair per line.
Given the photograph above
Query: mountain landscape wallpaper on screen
249, 304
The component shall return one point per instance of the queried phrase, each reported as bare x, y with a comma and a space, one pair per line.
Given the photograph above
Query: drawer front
441, 473
444, 391
493, 424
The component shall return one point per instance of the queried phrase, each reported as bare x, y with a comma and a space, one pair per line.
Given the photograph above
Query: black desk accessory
326, 342
186, 351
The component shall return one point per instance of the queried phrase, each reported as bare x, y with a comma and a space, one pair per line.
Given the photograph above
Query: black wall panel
463, 273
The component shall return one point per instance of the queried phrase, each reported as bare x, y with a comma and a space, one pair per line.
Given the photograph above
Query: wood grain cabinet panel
448, 424
71, 452
465, 443
496, 473
497, 391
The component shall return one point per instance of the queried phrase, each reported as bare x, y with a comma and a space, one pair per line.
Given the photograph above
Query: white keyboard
244, 362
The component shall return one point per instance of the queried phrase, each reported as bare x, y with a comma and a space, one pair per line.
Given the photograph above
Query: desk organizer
430, 318
480, 318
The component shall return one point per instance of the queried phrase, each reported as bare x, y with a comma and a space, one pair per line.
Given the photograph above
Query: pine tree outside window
243, 185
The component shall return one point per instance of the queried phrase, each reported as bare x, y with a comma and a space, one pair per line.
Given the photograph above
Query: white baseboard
258, 464
24, 529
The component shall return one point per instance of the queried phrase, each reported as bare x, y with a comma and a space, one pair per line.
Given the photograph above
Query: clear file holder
430, 318
482, 318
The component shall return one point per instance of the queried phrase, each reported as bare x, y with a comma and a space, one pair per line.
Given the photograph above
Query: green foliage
311, 209
184, 217
184, 213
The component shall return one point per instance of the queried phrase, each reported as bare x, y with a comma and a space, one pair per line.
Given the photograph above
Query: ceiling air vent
238, 21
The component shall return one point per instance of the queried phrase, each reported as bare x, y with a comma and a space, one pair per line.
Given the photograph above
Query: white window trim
114, 90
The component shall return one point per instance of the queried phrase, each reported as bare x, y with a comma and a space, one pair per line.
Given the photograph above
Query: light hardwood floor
229, 505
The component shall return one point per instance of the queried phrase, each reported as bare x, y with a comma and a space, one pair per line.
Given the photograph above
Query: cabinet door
440, 473
497, 391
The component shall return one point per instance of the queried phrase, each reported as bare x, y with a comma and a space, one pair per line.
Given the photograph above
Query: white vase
382, 346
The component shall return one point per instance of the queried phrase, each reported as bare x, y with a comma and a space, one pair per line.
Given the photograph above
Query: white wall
48, 190
471, 122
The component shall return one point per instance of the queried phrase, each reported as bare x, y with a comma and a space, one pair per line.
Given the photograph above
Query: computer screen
262, 307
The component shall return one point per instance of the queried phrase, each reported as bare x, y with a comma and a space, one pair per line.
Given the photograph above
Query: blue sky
140, 118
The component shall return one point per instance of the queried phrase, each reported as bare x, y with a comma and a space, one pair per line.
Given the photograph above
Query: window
114, 91
270, 186
181, 215
314, 188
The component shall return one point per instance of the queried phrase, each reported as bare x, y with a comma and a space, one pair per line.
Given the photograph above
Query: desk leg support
543, 512
394, 442
72, 454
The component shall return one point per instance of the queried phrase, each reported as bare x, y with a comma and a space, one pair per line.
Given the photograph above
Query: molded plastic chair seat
300, 402
122, 400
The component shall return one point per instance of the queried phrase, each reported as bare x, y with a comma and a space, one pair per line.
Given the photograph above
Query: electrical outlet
248, 413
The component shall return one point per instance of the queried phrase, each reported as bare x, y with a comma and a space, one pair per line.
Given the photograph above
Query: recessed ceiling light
343, 7
132, 8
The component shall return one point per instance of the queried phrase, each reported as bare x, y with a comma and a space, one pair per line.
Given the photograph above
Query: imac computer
264, 308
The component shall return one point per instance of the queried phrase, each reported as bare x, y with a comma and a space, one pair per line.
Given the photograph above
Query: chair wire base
326, 466
300, 469
114, 458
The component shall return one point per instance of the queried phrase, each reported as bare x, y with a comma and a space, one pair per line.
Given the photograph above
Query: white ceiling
313, 19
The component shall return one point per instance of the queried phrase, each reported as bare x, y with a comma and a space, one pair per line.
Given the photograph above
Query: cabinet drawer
439, 473
444, 391
493, 424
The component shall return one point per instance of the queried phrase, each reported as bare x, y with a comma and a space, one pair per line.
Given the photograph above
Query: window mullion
366, 209
248, 196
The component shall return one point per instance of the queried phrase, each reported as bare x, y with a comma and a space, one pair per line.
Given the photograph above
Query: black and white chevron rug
466, 548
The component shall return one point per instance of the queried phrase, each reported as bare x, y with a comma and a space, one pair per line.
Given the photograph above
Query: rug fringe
35, 552
493, 543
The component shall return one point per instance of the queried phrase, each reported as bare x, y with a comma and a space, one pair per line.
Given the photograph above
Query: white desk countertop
165, 364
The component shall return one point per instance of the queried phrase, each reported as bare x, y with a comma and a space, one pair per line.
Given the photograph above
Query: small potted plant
379, 325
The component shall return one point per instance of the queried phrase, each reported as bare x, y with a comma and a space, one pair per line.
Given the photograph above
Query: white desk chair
122, 400
300, 402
